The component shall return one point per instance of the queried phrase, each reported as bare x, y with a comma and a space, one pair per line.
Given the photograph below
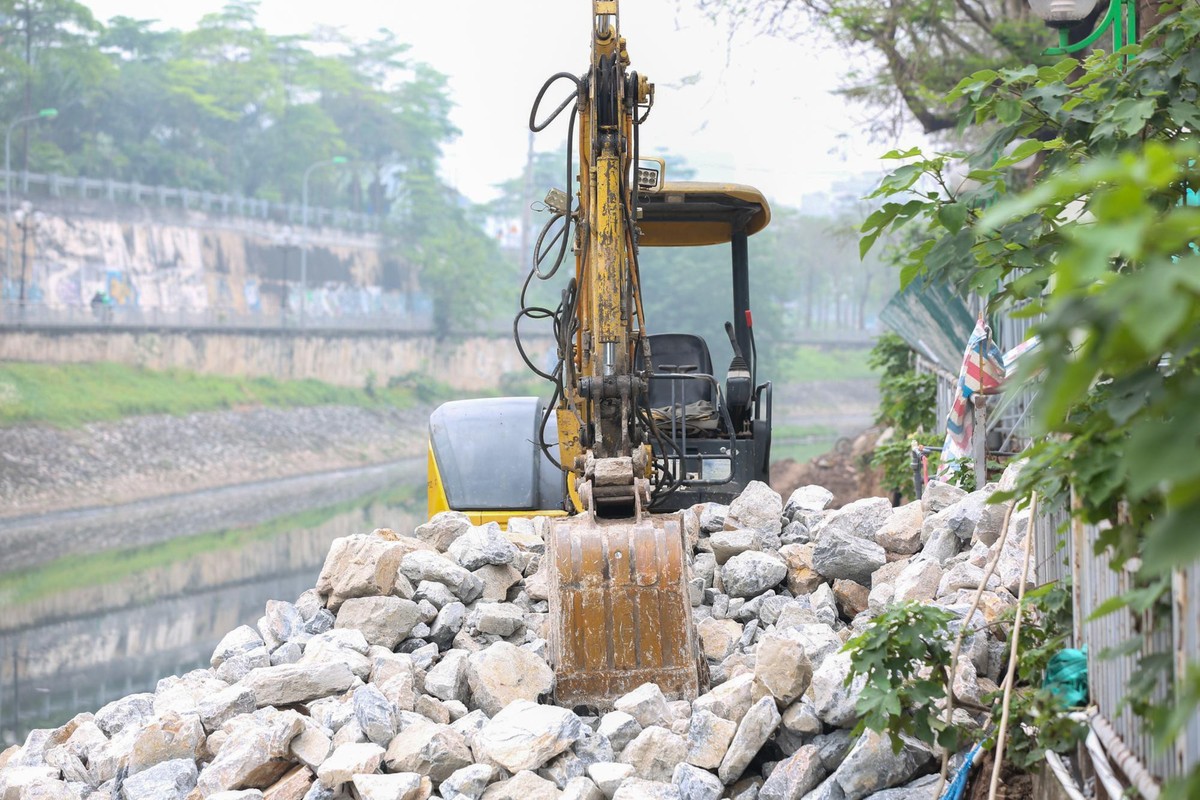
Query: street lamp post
45, 113
1067, 15
304, 230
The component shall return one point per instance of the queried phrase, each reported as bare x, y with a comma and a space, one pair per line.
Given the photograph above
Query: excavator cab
719, 437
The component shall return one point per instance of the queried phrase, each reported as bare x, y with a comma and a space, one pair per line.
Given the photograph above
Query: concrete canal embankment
45, 469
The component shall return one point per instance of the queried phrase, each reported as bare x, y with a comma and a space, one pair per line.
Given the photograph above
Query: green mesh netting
1066, 676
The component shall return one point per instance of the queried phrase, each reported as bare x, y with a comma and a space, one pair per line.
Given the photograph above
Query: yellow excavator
639, 427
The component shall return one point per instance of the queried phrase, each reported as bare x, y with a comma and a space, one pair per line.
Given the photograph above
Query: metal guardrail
236, 205
13, 314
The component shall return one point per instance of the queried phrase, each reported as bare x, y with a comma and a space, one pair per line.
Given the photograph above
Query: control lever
737, 381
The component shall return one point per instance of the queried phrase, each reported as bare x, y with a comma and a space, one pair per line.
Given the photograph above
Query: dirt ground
844, 470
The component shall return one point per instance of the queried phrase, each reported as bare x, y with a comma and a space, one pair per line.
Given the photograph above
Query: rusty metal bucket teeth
619, 610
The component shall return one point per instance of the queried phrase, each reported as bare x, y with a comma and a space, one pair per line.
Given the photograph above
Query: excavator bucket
619, 610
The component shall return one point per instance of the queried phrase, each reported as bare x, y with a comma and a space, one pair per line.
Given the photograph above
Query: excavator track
619, 610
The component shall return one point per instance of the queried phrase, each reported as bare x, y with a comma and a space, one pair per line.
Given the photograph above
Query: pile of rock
417, 668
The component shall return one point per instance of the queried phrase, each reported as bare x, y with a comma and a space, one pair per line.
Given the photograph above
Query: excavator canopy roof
691, 213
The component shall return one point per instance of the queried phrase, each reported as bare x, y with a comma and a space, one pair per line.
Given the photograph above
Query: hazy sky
760, 110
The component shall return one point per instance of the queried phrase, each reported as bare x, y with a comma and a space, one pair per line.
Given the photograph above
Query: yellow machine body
620, 614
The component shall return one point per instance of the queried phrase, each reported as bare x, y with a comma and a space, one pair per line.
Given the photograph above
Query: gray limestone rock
428, 748
696, 784
481, 546
872, 766
795, 776
901, 533
752, 573
347, 761
859, 519
620, 728
727, 544
840, 554
375, 714
241, 639
447, 680
938, 495
168, 780
708, 739
808, 498
427, 566
781, 668
469, 782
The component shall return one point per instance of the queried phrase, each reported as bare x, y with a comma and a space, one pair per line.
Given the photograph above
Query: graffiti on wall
151, 267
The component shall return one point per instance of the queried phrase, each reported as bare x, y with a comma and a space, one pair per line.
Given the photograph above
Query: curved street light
45, 113
336, 160
1065, 15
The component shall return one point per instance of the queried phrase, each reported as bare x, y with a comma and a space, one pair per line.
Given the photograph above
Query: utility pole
527, 209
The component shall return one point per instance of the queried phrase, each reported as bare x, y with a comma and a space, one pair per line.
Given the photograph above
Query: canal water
101, 603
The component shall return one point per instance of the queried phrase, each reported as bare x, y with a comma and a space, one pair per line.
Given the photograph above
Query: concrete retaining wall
469, 363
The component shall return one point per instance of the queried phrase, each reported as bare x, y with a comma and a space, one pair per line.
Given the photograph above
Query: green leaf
1021, 152
1007, 111
952, 216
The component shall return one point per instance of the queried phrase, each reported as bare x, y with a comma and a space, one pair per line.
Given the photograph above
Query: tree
1102, 245
912, 51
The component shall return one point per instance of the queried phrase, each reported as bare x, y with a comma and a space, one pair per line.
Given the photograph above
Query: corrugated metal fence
1066, 551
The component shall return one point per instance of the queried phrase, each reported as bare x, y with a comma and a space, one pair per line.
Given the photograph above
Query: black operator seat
680, 350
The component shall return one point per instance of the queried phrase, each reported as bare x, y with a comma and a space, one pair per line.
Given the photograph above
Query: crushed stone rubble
417, 667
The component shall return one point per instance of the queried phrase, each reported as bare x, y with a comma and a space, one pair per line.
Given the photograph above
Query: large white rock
482, 545
297, 683
860, 519
619, 728
448, 678
169, 780
646, 704
832, 699
384, 621
729, 700
255, 754
753, 731
902, 531
241, 639
808, 498
696, 784
525, 785
654, 753
347, 761
758, 507
708, 738
400, 786
526, 735
365, 565
609, 776
781, 668
429, 749
442, 529
502, 673
168, 737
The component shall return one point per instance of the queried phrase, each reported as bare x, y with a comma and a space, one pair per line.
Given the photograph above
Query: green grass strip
71, 395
